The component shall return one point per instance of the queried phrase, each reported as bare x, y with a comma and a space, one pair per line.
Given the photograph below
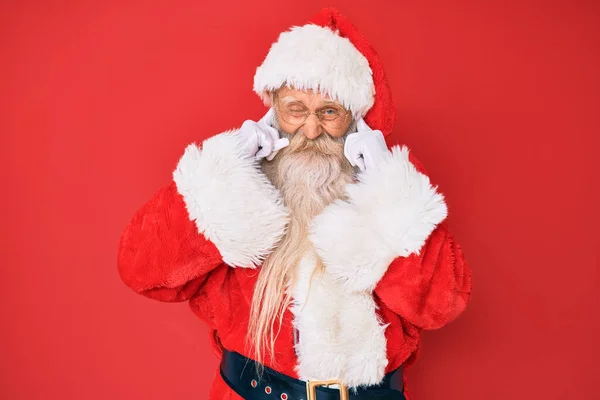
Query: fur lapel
389, 213
340, 334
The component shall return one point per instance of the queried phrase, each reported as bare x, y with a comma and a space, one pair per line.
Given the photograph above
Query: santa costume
392, 267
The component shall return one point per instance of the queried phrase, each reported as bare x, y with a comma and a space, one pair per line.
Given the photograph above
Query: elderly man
314, 254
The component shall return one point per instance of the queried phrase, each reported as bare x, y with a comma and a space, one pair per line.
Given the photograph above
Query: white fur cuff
390, 213
232, 202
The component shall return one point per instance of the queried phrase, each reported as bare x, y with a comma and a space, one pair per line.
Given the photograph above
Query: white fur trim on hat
315, 57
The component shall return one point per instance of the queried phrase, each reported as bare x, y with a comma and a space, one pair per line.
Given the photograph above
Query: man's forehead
306, 96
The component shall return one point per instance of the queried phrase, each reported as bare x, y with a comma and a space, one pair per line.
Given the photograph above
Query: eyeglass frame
309, 113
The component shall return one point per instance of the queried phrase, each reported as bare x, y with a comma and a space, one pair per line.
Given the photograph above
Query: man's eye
330, 111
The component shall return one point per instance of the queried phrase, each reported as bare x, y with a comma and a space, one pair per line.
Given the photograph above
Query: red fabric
382, 115
163, 257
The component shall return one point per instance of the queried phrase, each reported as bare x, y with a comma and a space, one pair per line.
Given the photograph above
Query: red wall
499, 99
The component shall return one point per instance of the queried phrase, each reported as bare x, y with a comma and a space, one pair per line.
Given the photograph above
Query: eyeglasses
296, 113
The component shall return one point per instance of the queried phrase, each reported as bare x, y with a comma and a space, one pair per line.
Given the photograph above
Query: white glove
365, 148
260, 139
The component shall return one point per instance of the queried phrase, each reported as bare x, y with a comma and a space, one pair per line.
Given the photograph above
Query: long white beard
340, 335
310, 174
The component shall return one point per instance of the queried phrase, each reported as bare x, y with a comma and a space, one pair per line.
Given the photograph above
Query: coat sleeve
220, 209
161, 254
429, 289
390, 226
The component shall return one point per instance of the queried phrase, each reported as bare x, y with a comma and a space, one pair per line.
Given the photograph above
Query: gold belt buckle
311, 389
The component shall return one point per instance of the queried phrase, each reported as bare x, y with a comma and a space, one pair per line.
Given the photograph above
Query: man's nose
312, 127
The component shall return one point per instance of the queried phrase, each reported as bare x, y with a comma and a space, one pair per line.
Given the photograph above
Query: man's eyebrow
330, 102
290, 99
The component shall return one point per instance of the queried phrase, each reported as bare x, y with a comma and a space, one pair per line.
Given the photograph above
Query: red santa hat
331, 56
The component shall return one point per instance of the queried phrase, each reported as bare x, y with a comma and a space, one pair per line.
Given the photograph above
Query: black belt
240, 374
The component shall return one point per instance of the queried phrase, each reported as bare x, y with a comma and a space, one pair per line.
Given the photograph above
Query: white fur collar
340, 335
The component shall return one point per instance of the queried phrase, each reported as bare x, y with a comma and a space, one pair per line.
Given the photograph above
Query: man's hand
365, 148
260, 139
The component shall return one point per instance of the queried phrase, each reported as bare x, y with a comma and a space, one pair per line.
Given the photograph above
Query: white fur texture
340, 335
390, 212
314, 57
232, 202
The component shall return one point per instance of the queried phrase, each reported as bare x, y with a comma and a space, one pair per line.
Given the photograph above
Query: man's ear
353, 128
267, 98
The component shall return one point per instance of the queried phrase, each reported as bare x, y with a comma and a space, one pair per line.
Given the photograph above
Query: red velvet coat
391, 262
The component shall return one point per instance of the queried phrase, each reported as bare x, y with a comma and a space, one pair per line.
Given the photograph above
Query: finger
349, 146
348, 156
280, 144
271, 156
361, 164
262, 153
361, 125
267, 119
266, 148
369, 160
272, 133
354, 156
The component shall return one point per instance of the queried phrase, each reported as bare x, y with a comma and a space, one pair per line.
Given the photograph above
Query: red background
499, 99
